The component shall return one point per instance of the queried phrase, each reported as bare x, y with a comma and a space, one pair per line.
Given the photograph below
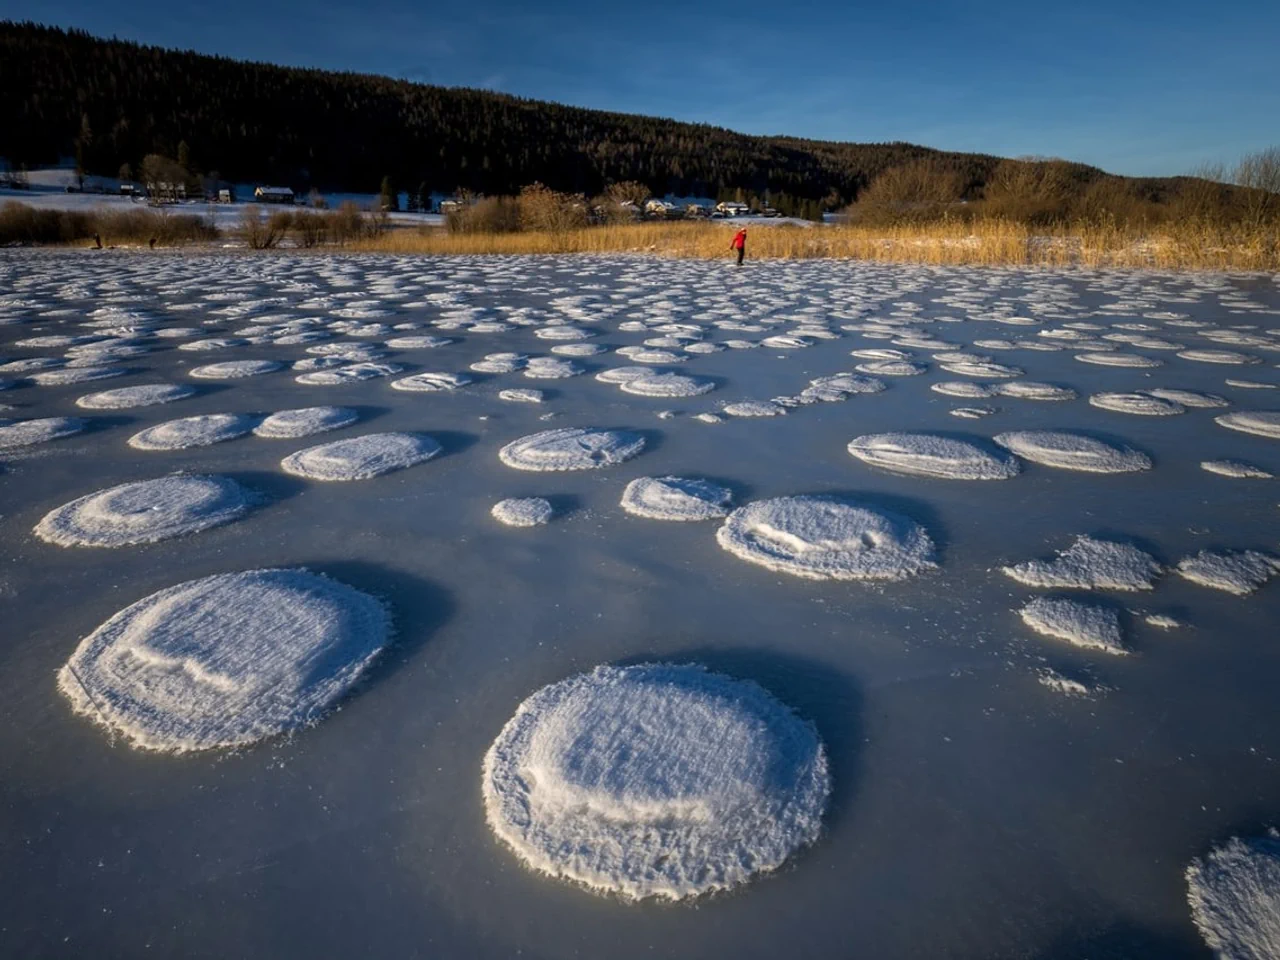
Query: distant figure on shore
152, 243
97, 241
740, 244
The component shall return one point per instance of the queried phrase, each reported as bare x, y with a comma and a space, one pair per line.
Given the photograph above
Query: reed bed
1174, 246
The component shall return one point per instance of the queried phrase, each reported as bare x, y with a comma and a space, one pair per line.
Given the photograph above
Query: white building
273, 195
731, 208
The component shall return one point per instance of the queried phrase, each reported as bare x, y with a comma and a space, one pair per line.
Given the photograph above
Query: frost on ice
305, 421
236, 369
924, 455
1236, 468
145, 512
1234, 894
655, 780
522, 511
1090, 564
1238, 571
827, 539
675, 498
1072, 451
360, 458
667, 385
571, 448
225, 660
1080, 624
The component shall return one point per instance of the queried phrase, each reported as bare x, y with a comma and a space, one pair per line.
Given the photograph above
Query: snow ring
200, 431
23, 433
305, 421
1234, 894
675, 498
144, 512
924, 455
522, 511
571, 448
1071, 451
826, 539
225, 660
655, 780
146, 395
667, 385
361, 458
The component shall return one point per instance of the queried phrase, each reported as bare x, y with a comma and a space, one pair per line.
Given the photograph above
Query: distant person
97, 241
740, 244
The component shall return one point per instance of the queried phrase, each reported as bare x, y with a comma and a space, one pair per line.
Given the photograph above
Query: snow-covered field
333, 590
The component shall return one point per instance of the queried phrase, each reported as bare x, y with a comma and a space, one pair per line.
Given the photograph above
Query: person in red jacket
740, 244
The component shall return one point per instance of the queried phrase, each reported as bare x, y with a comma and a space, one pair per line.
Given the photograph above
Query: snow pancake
145, 512
361, 458
571, 448
924, 455
655, 780
675, 498
225, 660
823, 538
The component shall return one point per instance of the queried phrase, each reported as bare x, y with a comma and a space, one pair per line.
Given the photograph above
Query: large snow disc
225, 660
571, 448
655, 780
924, 455
145, 512
824, 538
361, 458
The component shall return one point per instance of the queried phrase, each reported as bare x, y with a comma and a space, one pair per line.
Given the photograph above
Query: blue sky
1136, 88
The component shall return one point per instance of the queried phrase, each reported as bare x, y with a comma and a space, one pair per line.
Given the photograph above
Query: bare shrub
542, 208
262, 232
1259, 175
490, 215
310, 229
1032, 191
346, 224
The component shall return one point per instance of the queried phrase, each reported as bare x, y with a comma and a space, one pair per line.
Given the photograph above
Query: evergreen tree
387, 197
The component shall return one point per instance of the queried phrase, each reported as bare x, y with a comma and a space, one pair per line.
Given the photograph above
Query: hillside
118, 101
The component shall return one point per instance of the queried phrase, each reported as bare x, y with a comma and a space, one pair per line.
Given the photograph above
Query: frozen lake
995, 790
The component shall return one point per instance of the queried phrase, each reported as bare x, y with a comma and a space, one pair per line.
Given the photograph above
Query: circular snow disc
655, 780
827, 539
571, 448
361, 458
145, 512
225, 660
923, 455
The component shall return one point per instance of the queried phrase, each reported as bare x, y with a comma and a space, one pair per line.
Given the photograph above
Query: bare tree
1259, 175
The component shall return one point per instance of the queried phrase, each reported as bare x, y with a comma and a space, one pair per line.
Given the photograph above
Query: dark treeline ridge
113, 102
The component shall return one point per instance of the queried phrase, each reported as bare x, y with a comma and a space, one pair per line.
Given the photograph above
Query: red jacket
739, 240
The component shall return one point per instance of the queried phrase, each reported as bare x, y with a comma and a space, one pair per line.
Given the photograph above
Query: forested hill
112, 102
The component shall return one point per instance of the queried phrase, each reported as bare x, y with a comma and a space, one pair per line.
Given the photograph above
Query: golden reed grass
1173, 246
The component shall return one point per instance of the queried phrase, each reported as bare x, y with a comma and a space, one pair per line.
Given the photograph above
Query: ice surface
1090, 564
1032, 390
352, 373
1071, 451
521, 396
305, 421
522, 511
126, 398
68, 375
655, 780
199, 431
963, 388
925, 455
623, 374
892, 368
572, 448
361, 458
24, 433
145, 512
1080, 624
1240, 571
675, 498
225, 660
1262, 423
1219, 356
1234, 894
827, 539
